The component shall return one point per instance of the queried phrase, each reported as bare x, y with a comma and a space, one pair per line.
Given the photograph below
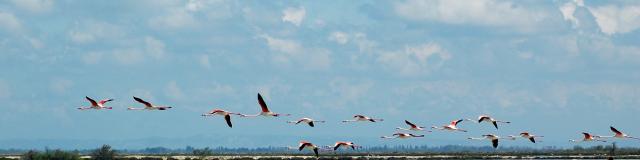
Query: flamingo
265, 111
147, 105
226, 114
618, 134
96, 105
306, 120
414, 127
358, 117
451, 127
308, 145
402, 136
345, 145
488, 119
494, 139
588, 137
529, 136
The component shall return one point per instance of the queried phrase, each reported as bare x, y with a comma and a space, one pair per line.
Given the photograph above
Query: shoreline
363, 157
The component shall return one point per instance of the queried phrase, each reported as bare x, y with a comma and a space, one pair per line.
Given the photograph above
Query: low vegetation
51, 154
105, 152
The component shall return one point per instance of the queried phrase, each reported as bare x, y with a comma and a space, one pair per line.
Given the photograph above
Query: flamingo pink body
308, 145
147, 105
96, 105
402, 136
308, 121
344, 145
361, 118
451, 127
265, 110
226, 114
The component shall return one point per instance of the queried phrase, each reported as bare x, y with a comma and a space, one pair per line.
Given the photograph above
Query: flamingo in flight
96, 105
402, 136
588, 138
414, 127
451, 127
308, 145
226, 114
494, 139
345, 145
147, 105
618, 134
529, 136
358, 117
309, 121
265, 111
488, 119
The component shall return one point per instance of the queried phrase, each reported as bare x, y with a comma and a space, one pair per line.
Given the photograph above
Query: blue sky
554, 68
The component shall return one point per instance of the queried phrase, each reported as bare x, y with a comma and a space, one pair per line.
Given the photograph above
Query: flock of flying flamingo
361, 118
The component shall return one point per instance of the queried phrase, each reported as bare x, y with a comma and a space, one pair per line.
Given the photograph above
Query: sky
553, 68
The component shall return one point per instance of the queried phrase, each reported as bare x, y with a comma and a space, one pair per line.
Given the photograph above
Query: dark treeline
377, 150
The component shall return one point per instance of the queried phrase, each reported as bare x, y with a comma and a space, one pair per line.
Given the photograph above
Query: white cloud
579, 2
214, 9
195, 5
294, 15
154, 47
567, 11
348, 90
478, 12
525, 55
506, 97
339, 37
414, 59
317, 59
92, 57
173, 91
9, 22
218, 90
488, 96
128, 56
609, 53
146, 49
294, 53
91, 31
204, 61
359, 39
425, 51
616, 20
364, 44
81, 37
35, 43
607, 95
175, 18
60, 85
287, 46
34, 6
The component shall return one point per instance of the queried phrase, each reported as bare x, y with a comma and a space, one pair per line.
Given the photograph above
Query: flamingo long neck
84, 108
403, 128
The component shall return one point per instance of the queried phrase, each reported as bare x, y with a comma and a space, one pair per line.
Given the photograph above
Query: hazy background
554, 68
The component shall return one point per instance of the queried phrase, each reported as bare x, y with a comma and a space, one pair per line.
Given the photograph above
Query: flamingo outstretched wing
105, 101
228, 119
93, 102
410, 124
263, 105
147, 104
